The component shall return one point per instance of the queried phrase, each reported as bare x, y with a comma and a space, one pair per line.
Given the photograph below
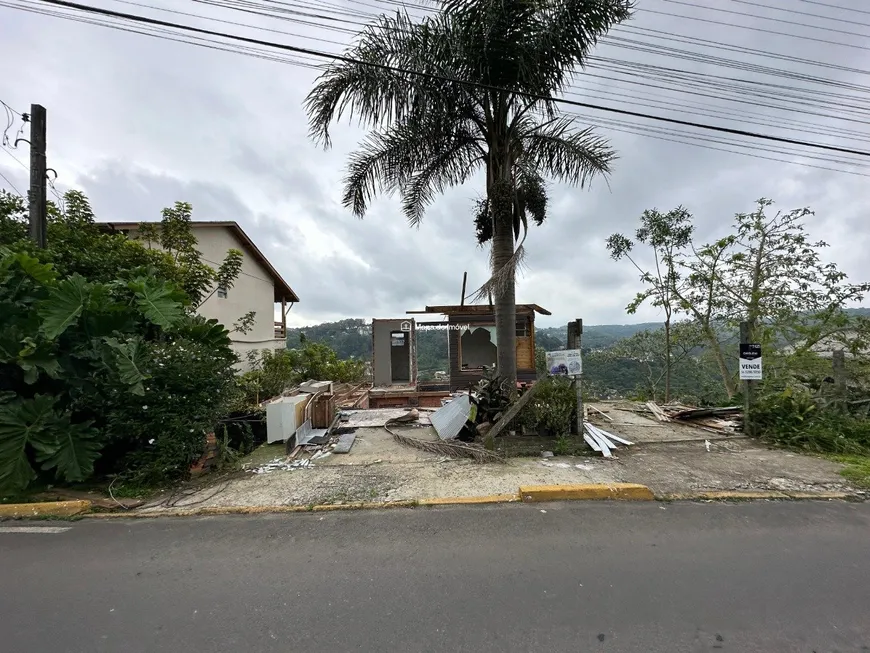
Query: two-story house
258, 288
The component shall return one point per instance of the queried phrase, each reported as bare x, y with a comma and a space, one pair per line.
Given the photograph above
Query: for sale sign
567, 362
750, 362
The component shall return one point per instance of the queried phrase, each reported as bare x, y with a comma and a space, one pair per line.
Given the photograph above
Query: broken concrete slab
345, 442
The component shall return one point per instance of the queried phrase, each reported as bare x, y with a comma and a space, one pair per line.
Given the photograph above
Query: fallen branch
446, 447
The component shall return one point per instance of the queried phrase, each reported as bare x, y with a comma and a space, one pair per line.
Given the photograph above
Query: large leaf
22, 423
159, 302
64, 305
210, 333
41, 272
71, 451
128, 363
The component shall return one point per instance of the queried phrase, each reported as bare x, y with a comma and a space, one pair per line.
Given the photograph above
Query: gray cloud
139, 123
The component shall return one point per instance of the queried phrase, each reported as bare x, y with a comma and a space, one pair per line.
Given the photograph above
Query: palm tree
430, 131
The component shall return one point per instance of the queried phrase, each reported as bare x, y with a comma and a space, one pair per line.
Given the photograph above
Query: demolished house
471, 341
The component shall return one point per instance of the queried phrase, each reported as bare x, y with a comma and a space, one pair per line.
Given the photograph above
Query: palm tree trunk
501, 196
505, 304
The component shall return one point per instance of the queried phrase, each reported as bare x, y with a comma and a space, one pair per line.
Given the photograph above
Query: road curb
467, 501
526, 494
757, 495
43, 509
586, 491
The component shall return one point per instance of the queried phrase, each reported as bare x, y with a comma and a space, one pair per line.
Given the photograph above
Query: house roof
480, 308
283, 291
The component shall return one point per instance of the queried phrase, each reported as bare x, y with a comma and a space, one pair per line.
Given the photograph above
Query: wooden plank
525, 353
611, 436
602, 413
513, 411
605, 450
658, 412
591, 442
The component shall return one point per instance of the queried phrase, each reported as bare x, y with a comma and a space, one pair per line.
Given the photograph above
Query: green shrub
793, 418
552, 406
99, 370
275, 371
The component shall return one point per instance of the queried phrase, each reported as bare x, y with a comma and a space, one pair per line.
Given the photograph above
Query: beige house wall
253, 290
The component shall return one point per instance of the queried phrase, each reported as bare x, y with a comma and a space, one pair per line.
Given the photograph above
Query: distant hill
352, 338
595, 336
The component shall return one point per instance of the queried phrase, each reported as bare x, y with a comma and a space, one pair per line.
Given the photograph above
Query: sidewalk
673, 460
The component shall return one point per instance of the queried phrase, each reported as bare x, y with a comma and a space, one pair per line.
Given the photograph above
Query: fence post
839, 372
575, 331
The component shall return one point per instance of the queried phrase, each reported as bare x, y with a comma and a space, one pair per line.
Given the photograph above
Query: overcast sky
138, 123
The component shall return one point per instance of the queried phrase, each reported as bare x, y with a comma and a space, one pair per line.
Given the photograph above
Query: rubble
601, 440
281, 464
727, 419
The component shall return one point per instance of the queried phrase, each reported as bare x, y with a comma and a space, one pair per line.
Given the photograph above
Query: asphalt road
580, 577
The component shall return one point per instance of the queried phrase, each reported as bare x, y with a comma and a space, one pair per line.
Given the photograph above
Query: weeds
857, 469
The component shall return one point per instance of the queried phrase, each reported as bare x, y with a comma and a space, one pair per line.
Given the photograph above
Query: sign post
570, 363
750, 371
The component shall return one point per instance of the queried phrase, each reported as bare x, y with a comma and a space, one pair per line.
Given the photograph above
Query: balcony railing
280, 331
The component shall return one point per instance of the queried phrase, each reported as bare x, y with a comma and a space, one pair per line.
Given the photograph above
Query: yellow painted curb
44, 509
461, 501
730, 495
586, 491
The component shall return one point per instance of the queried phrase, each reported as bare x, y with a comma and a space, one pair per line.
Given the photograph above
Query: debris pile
726, 420
601, 440
280, 464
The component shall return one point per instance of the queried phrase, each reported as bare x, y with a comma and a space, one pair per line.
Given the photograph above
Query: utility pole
575, 331
36, 194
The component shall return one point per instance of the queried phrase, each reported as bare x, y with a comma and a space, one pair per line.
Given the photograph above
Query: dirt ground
670, 458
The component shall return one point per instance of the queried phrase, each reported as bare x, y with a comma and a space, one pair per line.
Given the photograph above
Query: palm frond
556, 150
378, 97
504, 277
450, 162
384, 162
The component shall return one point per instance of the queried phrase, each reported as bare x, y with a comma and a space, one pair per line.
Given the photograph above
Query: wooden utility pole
464, 280
575, 331
37, 194
748, 386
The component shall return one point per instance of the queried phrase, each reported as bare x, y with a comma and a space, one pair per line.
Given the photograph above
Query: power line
802, 13
776, 20
838, 7
11, 185
643, 68
754, 29
345, 59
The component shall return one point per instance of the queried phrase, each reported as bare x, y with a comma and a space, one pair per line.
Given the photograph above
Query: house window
523, 329
222, 293
477, 347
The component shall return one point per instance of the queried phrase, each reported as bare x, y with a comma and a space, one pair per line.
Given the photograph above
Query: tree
430, 132
666, 234
175, 236
659, 353
769, 274
104, 366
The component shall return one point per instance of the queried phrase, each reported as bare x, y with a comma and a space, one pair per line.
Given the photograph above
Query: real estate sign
750, 362
567, 362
